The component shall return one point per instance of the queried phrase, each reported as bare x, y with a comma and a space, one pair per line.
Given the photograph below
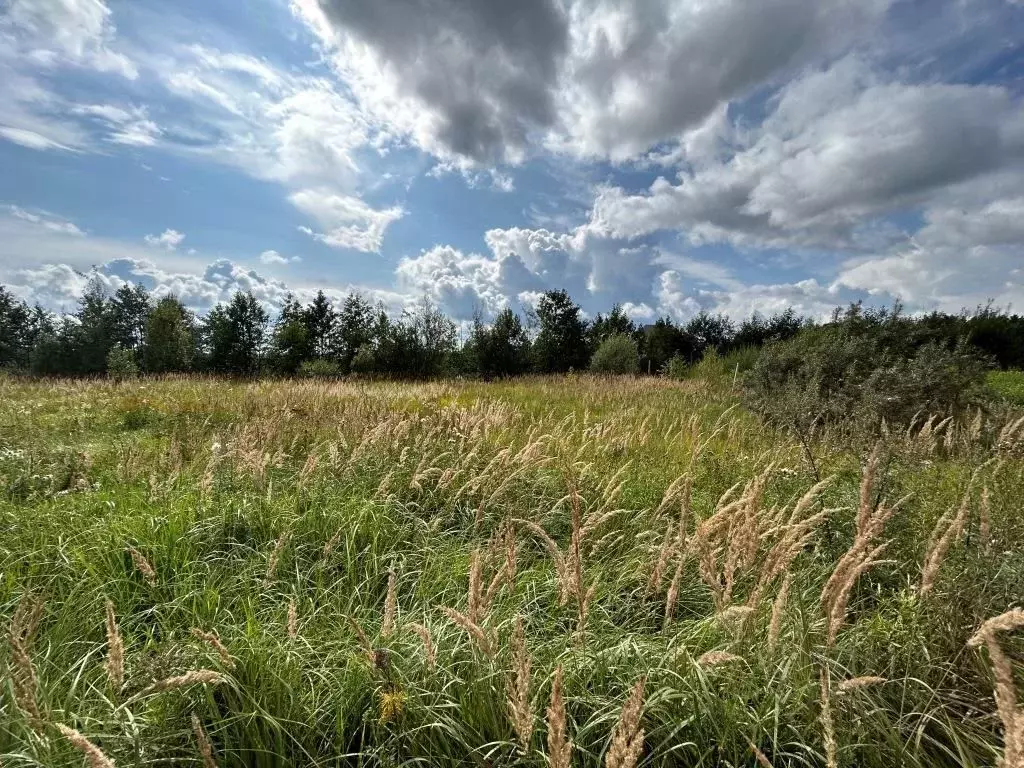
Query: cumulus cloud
641, 73
840, 146
463, 80
349, 222
169, 239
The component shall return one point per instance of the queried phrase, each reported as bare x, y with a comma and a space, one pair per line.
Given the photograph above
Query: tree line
131, 331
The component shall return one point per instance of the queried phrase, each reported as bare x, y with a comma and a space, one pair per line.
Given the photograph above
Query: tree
236, 335
319, 319
604, 326
169, 342
561, 343
95, 329
15, 332
121, 364
663, 340
290, 343
129, 309
57, 351
353, 329
710, 332
503, 349
435, 337
617, 354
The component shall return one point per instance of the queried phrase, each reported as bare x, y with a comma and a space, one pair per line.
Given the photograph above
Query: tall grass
538, 572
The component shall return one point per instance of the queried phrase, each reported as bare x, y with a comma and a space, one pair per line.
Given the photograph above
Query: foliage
169, 341
618, 353
319, 369
235, 336
500, 349
561, 342
872, 368
121, 364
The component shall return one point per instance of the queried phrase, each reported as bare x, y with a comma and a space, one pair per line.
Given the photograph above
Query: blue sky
668, 155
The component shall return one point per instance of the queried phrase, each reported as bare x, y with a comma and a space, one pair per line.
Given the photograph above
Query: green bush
319, 369
676, 367
121, 364
365, 361
833, 373
617, 354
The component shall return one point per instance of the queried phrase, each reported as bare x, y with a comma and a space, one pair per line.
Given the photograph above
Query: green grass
1008, 384
204, 477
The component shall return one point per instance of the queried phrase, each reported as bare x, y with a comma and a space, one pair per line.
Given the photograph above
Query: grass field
210, 573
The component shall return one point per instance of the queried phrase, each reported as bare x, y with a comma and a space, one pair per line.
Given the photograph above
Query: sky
671, 156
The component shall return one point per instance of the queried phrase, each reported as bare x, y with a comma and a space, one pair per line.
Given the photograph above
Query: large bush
867, 374
617, 354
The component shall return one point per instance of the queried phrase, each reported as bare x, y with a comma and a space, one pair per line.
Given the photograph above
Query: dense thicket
320, 338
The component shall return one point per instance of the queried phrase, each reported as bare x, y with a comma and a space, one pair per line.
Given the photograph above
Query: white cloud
642, 73
45, 220
348, 221
130, 126
169, 239
273, 257
78, 32
840, 147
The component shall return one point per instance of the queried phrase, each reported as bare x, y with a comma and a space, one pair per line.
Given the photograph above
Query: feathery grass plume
828, 732
519, 707
837, 612
673, 590
390, 606
115, 650
1010, 714
203, 742
559, 745
293, 619
475, 586
941, 542
735, 616
761, 757
985, 520
559, 560
854, 683
364, 641
715, 658
871, 520
214, 641
628, 736
332, 543
143, 566
93, 754
23, 674
428, 644
778, 611
475, 630
275, 554
192, 677
661, 562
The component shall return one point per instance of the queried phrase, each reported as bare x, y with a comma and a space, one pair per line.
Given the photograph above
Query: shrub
617, 354
121, 364
319, 369
676, 367
833, 372
364, 361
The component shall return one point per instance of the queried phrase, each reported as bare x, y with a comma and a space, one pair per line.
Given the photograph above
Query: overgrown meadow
550, 571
